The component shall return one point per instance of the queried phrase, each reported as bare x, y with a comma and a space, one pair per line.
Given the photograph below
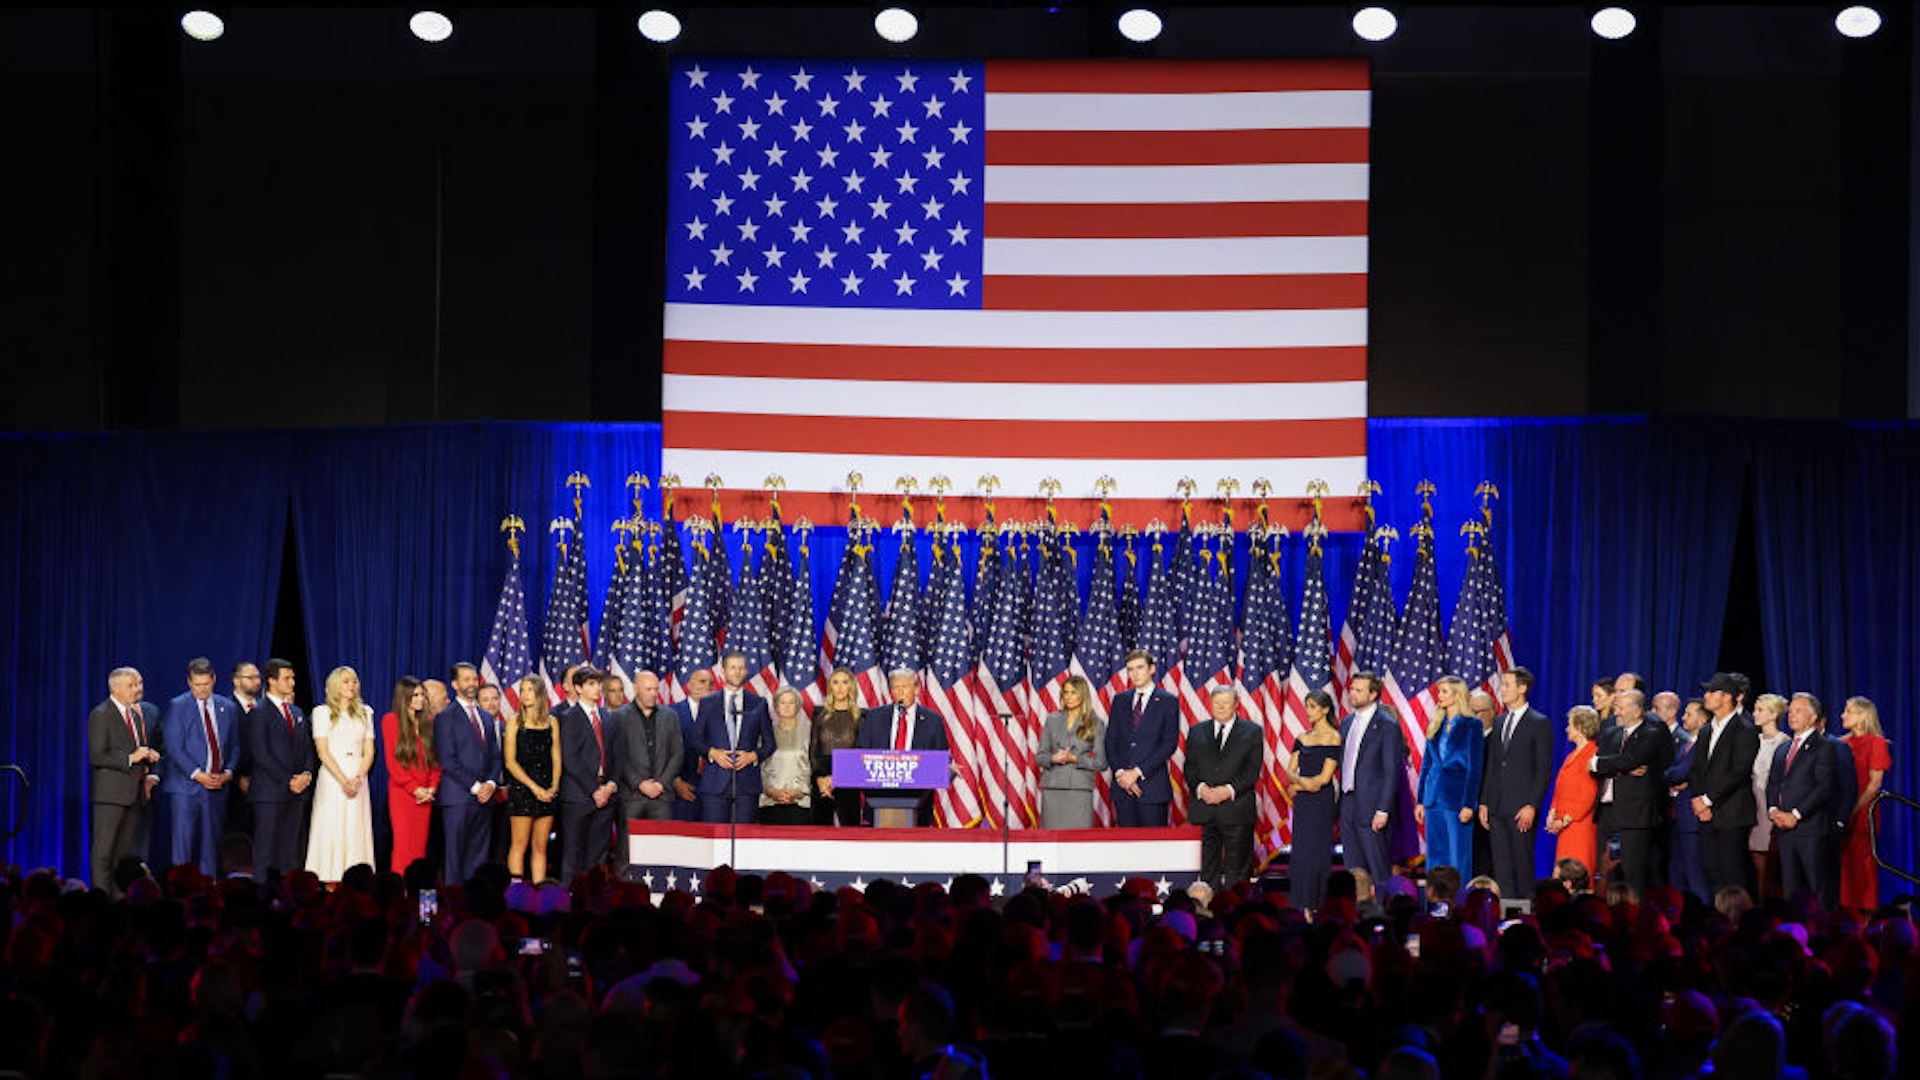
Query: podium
894, 780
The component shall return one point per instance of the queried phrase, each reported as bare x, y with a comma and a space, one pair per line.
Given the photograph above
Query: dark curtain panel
133, 549
400, 554
1839, 552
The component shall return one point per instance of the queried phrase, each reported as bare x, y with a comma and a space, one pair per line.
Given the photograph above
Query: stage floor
679, 854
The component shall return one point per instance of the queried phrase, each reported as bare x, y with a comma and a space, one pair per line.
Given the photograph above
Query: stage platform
668, 855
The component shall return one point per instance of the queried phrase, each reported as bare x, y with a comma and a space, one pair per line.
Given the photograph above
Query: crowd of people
1703, 794
243, 976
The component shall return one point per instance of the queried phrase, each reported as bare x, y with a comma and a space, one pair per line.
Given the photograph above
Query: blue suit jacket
580, 754
1808, 787
1147, 745
186, 735
710, 731
1846, 782
466, 756
1380, 768
929, 729
690, 761
1679, 807
1450, 773
275, 755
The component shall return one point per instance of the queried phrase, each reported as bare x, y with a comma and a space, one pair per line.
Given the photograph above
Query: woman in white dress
342, 831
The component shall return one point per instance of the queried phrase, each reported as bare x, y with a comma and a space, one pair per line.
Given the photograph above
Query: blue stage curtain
400, 554
1839, 553
132, 549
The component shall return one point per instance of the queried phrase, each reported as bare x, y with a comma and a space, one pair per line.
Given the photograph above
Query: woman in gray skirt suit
1071, 759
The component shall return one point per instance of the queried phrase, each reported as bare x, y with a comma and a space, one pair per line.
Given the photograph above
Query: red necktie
477, 728
286, 711
134, 731
213, 740
593, 714
900, 729
1791, 751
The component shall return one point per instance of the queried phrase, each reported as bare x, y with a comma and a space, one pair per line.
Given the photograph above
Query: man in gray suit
654, 753
123, 749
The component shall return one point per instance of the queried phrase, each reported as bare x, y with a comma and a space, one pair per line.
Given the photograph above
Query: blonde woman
1769, 718
1071, 759
533, 770
1450, 777
1872, 757
341, 834
786, 780
836, 726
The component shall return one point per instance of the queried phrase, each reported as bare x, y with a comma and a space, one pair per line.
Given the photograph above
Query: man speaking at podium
905, 725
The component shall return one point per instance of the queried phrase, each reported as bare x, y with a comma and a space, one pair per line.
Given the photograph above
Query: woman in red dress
1571, 817
413, 774
1859, 874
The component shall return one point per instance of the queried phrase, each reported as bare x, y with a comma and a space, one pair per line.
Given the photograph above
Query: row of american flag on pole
994, 660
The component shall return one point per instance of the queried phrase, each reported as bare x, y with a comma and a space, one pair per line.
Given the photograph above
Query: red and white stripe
1414, 713
1265, 705
1018, 740
958, 806
1182, 232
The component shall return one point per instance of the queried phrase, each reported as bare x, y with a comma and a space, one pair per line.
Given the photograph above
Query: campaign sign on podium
893, 780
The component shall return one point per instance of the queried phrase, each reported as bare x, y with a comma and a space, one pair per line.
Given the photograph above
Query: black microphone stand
733, 794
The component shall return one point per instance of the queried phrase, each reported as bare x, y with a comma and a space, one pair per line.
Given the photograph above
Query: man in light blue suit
469, 751
203, 736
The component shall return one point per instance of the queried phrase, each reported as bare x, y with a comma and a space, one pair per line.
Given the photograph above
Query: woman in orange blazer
1575, 792
413, 776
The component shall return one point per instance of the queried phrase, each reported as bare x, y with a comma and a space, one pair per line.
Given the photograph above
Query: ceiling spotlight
1140, 25
1857, 21
659, 26
895, 24
1613, 23
430, 26
202, 25
1375, 23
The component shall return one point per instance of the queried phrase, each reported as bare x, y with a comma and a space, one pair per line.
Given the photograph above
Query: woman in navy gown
1315, 766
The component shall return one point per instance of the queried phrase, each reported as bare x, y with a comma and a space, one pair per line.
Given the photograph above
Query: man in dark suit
652, 752
200, 728
732, 731
1800, 791
1684, 871
1639, 774
686, 786
246, 694
123, 738
1722, 782
1373, 762
1143, 730
590, 745
1519, 766
279, 743
1846, 793
1223, 772
470, 758
906, 724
